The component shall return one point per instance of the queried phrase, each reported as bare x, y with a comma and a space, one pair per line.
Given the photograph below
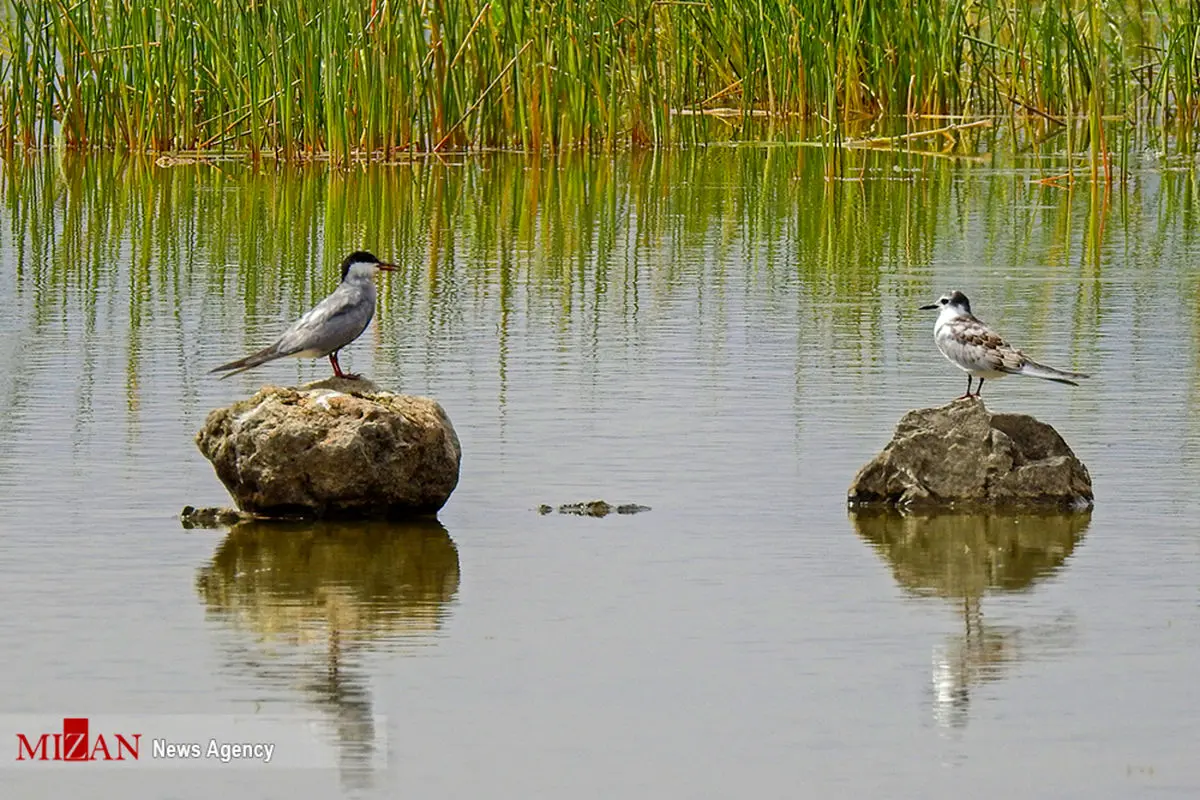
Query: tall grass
344, 80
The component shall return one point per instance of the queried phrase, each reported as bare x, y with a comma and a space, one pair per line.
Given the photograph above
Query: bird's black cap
956, 298
959, 299
357, 257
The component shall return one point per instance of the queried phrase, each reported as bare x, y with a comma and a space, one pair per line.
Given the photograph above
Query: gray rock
963, 456
334, 448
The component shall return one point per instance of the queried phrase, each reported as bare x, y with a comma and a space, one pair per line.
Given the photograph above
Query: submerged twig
884, 141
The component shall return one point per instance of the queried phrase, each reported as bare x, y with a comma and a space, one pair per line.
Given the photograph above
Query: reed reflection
315, 598
123, 276
962, 558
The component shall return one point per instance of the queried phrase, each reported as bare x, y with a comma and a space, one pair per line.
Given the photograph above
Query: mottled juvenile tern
979, 351
332, 324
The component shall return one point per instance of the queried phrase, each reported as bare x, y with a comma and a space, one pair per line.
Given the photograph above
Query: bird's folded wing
314, 320
986, 346
331, 323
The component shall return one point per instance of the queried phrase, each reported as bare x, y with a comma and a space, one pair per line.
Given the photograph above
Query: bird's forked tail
1035, 370
250, 361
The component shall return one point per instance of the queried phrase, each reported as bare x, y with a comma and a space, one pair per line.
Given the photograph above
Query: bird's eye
944, 300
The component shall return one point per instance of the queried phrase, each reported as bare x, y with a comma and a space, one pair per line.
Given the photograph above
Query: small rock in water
335, 448
962, 456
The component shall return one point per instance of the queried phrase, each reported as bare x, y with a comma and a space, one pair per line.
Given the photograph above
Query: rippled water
721, 334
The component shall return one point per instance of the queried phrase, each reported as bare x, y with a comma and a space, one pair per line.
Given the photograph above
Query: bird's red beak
387, 267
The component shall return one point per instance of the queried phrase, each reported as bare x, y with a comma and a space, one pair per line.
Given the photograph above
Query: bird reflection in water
962, 558
984, 653
317, 597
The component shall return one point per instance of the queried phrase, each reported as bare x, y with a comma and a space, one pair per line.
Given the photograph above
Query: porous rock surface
335, 448
961, 455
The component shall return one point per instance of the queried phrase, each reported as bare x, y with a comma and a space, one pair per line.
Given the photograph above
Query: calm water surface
721, 334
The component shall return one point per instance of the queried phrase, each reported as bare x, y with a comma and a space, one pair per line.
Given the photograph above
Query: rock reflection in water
962, 557
318, 595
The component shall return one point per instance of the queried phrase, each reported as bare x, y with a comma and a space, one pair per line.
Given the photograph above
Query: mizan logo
74, 744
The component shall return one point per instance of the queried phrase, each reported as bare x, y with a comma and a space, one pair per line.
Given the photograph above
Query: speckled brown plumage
976, 349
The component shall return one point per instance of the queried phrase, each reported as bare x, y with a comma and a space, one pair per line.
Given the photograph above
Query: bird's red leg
968, 394
337, 368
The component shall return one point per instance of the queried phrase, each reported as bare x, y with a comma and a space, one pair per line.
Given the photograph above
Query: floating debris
593, 508
212, 517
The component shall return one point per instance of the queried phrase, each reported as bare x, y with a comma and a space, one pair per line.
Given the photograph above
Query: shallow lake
723, 334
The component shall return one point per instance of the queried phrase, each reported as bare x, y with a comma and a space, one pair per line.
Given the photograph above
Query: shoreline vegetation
300, 80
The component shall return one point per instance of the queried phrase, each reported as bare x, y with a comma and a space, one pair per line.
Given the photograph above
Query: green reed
300, 79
